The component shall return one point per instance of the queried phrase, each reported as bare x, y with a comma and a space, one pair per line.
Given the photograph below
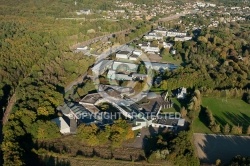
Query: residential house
182, 92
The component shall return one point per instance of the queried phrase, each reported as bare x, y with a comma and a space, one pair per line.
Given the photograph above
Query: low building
123, 54
119, 11
153, 36
152, 49
76, 111
133, 57
160, 66
137, 52
114, 76
146, 47
66, 125
111, 74
167, 45
174, 33
161, 31
173, 51
124, 67
123, 77
102, 66
84, 11
158, 122
182, 38
136, 76
82, 48
182, 92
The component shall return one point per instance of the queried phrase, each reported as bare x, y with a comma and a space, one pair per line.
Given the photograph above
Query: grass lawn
231, 111
200, 127
169, 58
176, 106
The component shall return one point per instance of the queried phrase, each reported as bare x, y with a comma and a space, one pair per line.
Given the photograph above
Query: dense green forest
216, 59
36, 64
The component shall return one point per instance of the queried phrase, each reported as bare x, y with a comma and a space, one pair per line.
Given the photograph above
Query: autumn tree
248, 130
87, 132
215, 128
183, 112
236, 130
226, 129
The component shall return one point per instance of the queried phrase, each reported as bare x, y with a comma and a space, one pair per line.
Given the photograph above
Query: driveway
211, 147
138, 141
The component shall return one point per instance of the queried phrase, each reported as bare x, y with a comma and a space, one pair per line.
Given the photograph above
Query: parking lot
140, 140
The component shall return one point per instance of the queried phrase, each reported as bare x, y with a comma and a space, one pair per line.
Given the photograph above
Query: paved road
211, 147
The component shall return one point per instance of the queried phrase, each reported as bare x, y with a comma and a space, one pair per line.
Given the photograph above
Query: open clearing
211, 147
231, 111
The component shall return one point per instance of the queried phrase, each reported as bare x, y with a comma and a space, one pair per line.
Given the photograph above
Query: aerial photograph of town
125, 82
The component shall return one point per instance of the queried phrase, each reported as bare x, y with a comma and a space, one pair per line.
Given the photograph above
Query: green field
169, 58
231, 111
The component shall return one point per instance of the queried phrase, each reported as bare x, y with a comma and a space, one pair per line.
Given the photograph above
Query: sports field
231, 111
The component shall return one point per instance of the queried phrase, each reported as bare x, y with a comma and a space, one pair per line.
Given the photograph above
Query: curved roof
152, 95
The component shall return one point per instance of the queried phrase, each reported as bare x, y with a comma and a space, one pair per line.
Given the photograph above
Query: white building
201, 4
160, 66
102, 66
167, 45
133, 57
161, 31
182, 38
152, 49
62, 124
173, 51
182, 92
148, 48
119, 11
137, 52
174, 34
153, 36
123, 54
85, 11
163, 123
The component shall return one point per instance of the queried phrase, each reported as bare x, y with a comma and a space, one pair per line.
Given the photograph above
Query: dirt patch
154, 57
